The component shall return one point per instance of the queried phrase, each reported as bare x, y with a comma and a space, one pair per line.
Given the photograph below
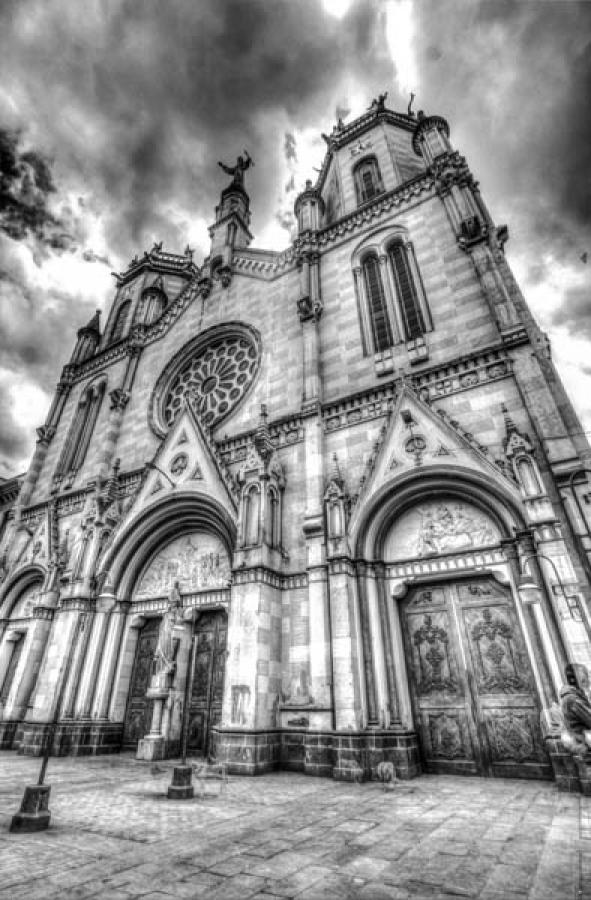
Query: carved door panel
138, 715
438, 687
208, 680
506, 703
471, 683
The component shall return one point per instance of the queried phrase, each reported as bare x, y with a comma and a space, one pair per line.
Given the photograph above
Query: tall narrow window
368, 182
121, 321
408, 300
378, 311
81, 430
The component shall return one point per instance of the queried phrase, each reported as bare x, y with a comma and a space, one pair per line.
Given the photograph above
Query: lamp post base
33, 814
181, 787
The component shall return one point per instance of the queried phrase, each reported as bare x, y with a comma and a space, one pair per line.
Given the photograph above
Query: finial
189, 252
335, 471
409, 111
510, 425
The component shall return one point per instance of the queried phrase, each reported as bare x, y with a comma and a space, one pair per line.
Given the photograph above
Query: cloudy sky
113, 114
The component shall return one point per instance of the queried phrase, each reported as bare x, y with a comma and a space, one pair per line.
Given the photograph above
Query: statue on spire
237, 172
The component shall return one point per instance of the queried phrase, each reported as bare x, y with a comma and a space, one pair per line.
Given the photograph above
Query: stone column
385, 621
94, 655
6, 650
81, 636
376, 646
30, 668
61, 639
320, 661
349, 703
556, 648
544, 662
111, 657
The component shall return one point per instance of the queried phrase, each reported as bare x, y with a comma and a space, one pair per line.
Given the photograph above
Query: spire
95, 324
262, 437
510, 426
335, 472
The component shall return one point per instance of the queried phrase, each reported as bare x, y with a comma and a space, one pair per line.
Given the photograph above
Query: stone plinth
34, 814
181, 787
152, 747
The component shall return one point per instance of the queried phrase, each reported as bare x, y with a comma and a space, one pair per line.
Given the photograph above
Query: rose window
214, 380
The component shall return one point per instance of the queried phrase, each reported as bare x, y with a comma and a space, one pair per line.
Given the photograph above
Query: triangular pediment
418, 437
187, 459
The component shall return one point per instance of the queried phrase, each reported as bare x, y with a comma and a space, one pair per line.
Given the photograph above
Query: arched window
81, 429
252, 506
411, 314
120, 321
378, 311
368, 181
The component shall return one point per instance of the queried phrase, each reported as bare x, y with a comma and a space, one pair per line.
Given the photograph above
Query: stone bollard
34, 814
181, 787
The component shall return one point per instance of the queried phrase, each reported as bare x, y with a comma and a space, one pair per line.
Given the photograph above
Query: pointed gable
187, 458
417, 437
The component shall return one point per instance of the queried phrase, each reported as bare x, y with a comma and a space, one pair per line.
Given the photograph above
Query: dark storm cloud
514, 81
136, 102
143, 98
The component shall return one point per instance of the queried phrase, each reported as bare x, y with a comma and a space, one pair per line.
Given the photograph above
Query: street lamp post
34, 813
182, 787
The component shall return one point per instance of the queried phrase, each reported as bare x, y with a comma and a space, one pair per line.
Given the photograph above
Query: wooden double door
471, 683
205, 708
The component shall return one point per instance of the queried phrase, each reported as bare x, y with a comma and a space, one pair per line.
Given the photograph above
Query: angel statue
237, 172
168, 644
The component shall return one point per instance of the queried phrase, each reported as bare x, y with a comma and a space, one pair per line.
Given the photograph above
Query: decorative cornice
264, 575
160, 261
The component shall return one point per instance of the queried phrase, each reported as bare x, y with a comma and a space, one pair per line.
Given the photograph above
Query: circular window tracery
213, 380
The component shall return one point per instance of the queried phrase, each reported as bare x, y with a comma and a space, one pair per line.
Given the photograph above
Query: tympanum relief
198, 562
443, 526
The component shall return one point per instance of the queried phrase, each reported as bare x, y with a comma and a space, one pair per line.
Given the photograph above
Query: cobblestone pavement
114, 834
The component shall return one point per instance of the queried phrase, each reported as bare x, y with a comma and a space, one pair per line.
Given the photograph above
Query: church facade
315, 509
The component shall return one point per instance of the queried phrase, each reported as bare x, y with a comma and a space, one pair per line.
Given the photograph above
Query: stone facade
340, 460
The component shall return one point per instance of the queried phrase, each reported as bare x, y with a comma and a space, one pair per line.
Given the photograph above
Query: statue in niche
168, 644
237, 172
575, 708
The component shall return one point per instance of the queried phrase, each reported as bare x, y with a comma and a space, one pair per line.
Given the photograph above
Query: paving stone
115, 835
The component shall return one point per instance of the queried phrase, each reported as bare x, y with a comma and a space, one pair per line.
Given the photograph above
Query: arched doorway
205, 710
449, 653
18, 667
197, 565
471, 684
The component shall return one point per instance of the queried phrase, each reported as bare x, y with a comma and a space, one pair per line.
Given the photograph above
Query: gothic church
290, 501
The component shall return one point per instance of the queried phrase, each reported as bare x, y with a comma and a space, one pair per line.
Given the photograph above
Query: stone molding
264, 575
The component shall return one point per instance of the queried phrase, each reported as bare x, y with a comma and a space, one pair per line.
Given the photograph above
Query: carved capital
308, 310
119, 398
472, 231
45, 435
205, 285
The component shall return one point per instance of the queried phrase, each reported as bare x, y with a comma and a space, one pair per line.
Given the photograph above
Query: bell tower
232, 218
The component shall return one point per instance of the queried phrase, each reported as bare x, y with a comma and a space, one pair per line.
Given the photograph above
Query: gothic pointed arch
184, 512
371, 526
21, 581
